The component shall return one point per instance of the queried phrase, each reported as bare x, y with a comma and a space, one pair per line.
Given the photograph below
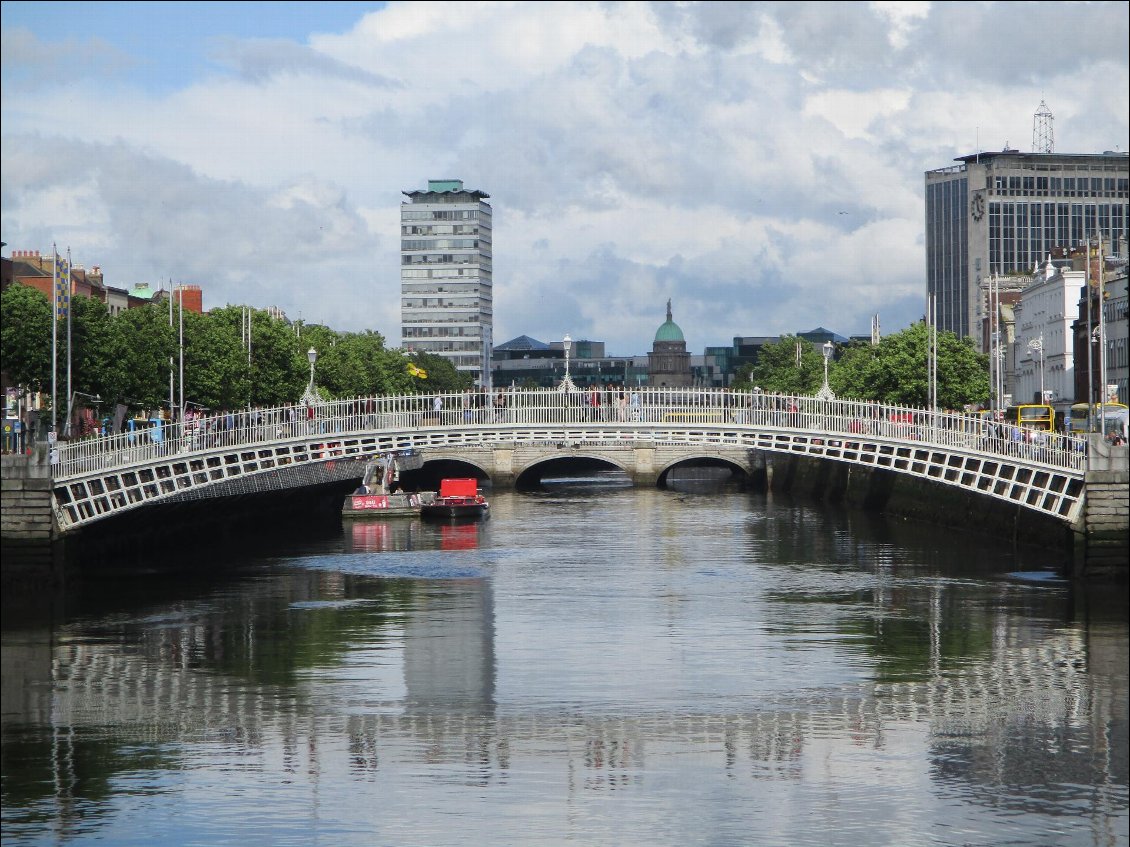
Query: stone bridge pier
645, 463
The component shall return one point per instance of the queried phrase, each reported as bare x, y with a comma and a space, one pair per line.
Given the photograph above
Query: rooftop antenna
1043, 133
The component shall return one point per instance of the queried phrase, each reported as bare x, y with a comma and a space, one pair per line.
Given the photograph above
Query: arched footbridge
644, 432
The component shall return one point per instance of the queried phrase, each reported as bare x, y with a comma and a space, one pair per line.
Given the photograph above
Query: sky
761, 165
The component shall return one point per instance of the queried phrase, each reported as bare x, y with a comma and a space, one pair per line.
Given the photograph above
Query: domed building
669, 363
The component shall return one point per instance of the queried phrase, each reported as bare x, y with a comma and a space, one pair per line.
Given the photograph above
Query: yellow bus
1114, 413
1032, 416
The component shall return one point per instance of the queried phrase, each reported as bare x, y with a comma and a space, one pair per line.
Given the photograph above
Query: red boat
459, 499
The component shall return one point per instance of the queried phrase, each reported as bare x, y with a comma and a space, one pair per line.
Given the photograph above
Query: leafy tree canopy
895, 371
25, 336
788, 366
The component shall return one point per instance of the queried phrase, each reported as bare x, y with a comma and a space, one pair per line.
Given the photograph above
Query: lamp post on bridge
825, 392
567, 382
308, 396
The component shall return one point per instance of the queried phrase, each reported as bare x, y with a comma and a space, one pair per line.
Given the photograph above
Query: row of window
441, 229
468, 299
420, 293
439, 303
441, 273
450, 347
446, 259
419, 289
1115, 310
442, 244
1042, 186
430, 316
440, 332
407, 214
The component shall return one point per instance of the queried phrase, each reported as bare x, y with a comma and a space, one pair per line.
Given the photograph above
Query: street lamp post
567, 383
825, 392
309, 397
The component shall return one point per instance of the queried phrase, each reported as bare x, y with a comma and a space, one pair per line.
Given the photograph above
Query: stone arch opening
427, 478
703, 473
572, 470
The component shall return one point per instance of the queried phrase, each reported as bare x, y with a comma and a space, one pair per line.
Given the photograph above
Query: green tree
141, 347
442, 375
215, 359
895, 370
25, 336
93, 350
279, 369
788, 366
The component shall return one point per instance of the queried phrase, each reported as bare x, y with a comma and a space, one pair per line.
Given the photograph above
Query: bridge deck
98, 477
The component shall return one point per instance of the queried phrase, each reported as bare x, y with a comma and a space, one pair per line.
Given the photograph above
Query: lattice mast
1043, 131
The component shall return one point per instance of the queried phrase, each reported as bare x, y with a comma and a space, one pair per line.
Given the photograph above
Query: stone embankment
1097, 547
25, 482
1104, 534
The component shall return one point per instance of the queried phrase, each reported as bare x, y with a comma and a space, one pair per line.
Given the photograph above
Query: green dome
669, 331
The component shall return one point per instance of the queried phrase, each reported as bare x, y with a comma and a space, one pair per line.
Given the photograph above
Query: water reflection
662, 667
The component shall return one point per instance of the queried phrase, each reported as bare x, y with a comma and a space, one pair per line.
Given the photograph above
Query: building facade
446, 300
999, 213
1044, 353
1102, 337
669, 363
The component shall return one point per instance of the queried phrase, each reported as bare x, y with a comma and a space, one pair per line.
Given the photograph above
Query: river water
594, 665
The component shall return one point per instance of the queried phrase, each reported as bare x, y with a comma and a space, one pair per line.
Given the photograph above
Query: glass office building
1000, 213
446, 301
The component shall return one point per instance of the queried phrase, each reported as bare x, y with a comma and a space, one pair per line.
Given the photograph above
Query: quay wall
912, 498
1103, 536
32, 556
26, 515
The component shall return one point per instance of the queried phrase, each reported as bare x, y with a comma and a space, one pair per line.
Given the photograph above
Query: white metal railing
650, 410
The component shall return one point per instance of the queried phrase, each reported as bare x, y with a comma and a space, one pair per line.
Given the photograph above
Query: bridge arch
440, 464
526, 474
705, 460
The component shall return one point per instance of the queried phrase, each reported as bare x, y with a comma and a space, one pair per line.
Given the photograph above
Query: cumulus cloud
760, 164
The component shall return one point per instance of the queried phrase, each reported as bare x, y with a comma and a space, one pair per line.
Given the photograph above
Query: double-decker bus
1031, 416
1085, 418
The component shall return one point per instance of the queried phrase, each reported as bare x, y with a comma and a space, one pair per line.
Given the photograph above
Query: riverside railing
652, 413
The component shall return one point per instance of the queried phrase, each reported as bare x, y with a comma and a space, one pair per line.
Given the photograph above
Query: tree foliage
142, 350
788, 366
128, 358
896, 370
25, 337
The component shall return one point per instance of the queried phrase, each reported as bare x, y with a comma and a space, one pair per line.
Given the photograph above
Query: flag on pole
62, 287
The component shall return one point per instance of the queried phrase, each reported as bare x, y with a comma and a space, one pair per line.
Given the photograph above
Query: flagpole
1090, 348
1102, 337
54, 335
180, 313
172, 395
67, 301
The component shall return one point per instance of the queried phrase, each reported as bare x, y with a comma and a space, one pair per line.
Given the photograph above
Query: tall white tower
1043, 133
446, 300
